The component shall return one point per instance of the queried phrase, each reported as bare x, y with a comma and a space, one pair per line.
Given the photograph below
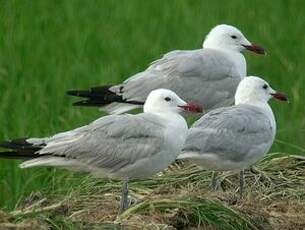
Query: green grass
48, 47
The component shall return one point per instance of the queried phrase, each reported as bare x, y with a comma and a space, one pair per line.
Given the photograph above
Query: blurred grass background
48, 47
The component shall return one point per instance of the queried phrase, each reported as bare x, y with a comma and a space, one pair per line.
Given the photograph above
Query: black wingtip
80, 93
98, 97
98, 91
88, 103
16, 143
95, 96
13, 155
21, 145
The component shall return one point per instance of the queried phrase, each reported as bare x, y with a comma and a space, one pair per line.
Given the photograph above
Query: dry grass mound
179, 198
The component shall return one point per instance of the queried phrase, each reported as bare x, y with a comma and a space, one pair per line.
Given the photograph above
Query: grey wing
232, 133
111, 142
204, 76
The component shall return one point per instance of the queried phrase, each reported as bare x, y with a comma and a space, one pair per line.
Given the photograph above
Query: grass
47, 47
178, 198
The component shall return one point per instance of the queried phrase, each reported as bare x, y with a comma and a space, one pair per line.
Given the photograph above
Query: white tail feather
61, 162
51, 161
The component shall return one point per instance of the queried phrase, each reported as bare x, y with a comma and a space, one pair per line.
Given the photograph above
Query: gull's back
230, 138
116, 146
207, 76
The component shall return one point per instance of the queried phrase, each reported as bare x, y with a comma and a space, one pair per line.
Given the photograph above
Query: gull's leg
214, 183
241, 183
124, 198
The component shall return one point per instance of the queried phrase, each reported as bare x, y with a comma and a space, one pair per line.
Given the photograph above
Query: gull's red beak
280, 96
255, 48
192, 107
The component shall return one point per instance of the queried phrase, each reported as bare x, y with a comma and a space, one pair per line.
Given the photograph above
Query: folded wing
231, 133
109, 143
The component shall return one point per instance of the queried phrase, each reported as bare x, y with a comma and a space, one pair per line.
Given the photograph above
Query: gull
209, 75
234, 138
115, 146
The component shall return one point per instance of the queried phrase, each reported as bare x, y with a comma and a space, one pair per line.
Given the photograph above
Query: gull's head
254, 89
226, 37
164, 100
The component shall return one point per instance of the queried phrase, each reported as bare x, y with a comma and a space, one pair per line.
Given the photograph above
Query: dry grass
179, 198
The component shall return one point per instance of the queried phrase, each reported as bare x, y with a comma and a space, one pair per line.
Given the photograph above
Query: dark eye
233, 36
167, 99
265, 86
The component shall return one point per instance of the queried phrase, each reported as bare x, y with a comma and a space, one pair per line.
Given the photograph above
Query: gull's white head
164, 100
254, 89
226, 37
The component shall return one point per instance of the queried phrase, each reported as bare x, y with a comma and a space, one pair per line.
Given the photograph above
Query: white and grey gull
209, 75
234, 138
116, 146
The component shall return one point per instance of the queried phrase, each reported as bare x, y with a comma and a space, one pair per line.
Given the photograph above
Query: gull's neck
167, 115
264, 107
176, 127
234, 56
171, 119
219, 47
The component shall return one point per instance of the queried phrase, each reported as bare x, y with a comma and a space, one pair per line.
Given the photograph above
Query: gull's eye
265, 86
167, 99
233, 36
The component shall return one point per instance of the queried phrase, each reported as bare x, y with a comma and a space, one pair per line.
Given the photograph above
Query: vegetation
179, 198
48, 47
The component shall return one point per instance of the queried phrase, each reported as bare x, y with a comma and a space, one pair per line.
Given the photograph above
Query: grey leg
241, 183
214, 183
124, 198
